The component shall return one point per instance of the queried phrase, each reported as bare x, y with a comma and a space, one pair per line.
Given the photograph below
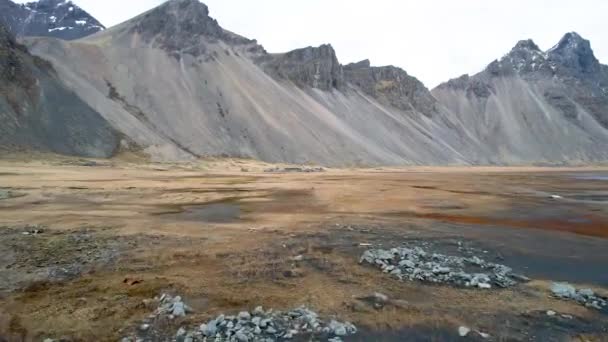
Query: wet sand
225, 239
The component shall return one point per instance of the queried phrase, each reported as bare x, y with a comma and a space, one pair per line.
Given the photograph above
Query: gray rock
463, 331
241, 337
179, 309
244, 316
181, 332
563, 290
338, 328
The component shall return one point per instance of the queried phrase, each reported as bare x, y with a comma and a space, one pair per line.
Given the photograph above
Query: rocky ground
110, 251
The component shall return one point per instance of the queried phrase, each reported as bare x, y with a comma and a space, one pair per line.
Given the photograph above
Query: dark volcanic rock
391, 85
48, 18
38, 111
315, 67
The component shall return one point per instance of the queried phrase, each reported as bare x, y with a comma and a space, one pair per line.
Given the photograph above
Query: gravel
416, 263
586, 297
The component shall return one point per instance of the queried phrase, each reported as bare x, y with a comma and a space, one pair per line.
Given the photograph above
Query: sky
433, 40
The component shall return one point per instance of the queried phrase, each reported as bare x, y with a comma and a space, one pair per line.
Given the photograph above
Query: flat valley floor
84, 247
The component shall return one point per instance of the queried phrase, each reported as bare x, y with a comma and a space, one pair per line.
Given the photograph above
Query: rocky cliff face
316, 67
38, 111
549, 104
392, 86
48, 18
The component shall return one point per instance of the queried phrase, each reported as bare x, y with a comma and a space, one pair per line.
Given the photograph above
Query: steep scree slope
38, 111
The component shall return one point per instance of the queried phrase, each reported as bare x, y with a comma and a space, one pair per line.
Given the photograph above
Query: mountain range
174, 84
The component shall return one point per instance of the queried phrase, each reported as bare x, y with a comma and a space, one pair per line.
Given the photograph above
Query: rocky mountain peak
48, 18
182, 26
573, 51
527, 44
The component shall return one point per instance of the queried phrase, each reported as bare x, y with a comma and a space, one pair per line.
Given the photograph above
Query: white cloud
433, 40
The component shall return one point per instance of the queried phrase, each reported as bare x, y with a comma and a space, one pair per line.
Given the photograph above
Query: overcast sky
434, 40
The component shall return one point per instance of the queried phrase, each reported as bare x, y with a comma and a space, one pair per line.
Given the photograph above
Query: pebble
484, 335
181, 332
463, 331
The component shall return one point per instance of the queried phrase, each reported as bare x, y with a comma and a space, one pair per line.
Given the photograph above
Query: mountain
49, 18
181, 86
39, 112
537, 106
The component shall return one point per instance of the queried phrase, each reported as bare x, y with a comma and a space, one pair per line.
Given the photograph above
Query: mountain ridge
210, 92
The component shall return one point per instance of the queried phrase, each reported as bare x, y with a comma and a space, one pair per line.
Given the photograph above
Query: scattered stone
261, 326
463, 331
586, 297
33, 230
181, 332
416, 263
551, 313
171, 306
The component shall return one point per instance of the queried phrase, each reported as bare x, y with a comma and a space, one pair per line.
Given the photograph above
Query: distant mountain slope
48, 18
37, 111
537, 106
